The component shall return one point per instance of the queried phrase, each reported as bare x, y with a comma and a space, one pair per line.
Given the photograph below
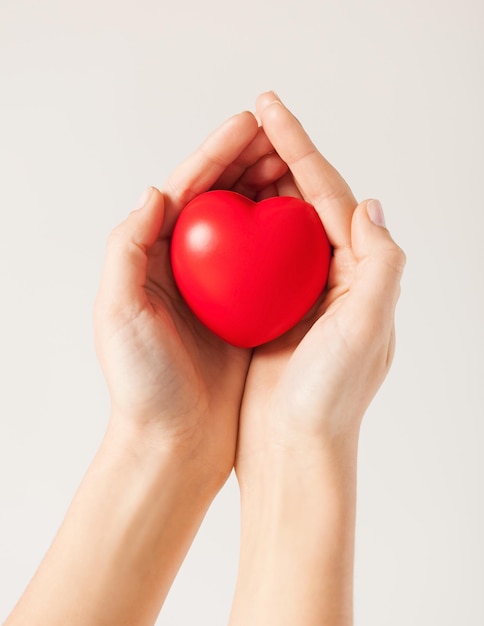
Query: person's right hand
170, 378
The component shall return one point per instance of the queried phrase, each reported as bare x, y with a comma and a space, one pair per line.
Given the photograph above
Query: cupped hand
167, 375
312, 385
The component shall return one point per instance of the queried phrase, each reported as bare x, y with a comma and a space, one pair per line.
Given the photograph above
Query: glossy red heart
249, 270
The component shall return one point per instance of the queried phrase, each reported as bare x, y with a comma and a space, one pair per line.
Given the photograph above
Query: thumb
380, 261
125, 266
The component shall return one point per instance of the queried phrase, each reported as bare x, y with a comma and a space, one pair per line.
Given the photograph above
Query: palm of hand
182, 360
293, 379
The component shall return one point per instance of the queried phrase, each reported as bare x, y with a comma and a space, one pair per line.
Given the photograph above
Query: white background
99, 99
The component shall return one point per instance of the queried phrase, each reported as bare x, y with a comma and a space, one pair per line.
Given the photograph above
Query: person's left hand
169, 377
309, 388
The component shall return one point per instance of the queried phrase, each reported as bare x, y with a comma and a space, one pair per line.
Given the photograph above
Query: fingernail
145, 196
375, 213
276, 97
272, 103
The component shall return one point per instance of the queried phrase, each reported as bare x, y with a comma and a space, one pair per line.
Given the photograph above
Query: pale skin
304, 399
186, 407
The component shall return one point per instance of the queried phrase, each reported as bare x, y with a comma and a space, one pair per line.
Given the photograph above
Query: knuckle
116, 236
394, 258
398, 258
181, 194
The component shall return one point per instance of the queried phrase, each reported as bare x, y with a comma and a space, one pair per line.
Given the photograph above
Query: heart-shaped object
249, 270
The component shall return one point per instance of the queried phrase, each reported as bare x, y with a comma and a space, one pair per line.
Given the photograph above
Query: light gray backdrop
99, 99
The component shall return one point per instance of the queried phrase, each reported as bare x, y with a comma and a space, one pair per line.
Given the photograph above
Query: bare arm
123, 539
304, 399
175, 394
297, 541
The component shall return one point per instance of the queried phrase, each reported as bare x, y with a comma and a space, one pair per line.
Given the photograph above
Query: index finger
320, 183
200, 170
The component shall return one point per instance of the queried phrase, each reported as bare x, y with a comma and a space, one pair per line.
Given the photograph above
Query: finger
318, 180
286, 186
200, 171
258, 147
266, 171
268, 192
380, 263
124, 272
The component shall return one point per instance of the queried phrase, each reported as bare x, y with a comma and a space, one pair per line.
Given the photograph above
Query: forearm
297, 543
122, 541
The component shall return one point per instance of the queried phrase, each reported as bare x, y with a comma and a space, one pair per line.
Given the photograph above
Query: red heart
249, 271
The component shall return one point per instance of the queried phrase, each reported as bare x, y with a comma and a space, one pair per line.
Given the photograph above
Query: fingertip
368, 214
150, 197
155, 205
245, 118
144, 223
266, 100
370, 235
368, 222
242, 124
156, 196
144, 198
269, 96
151, 200
375, 212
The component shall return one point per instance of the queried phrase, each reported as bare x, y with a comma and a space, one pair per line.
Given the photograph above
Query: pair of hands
179, 385
186, 406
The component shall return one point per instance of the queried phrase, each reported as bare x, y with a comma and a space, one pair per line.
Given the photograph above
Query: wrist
298, 459
300, 501
124, 537
154, 455
297, 539
294, 490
